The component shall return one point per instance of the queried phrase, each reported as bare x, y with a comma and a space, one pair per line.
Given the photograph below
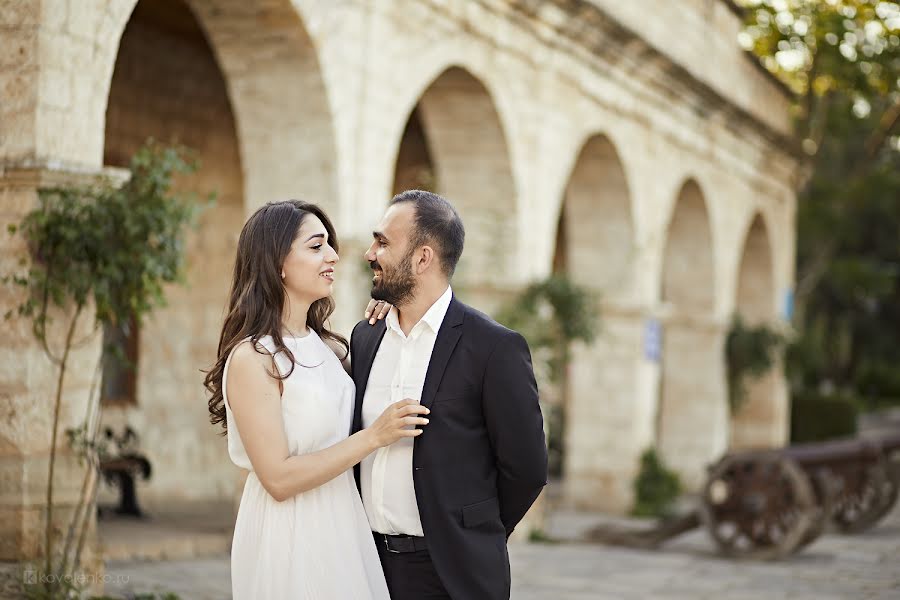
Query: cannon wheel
758, 507
860, 509
825, 489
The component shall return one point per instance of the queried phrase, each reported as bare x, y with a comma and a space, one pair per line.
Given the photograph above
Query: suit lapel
367, 356
447, 337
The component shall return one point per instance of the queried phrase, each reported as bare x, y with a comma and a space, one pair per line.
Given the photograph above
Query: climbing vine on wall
750, 352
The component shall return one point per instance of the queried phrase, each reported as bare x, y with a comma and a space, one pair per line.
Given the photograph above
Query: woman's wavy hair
257, 296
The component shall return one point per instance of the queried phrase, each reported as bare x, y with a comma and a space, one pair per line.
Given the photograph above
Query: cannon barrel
863, 449
813, 454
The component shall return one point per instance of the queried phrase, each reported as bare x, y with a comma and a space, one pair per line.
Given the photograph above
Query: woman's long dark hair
256, 303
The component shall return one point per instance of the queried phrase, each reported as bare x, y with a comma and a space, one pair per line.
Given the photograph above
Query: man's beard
396, 285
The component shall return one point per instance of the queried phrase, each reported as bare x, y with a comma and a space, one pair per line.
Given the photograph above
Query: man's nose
370, 253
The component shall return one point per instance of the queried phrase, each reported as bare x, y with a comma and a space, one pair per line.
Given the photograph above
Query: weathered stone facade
666, 150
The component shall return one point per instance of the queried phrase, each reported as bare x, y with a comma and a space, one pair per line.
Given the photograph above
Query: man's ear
426, 259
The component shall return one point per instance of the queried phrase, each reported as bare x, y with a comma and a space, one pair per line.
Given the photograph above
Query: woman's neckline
309, 333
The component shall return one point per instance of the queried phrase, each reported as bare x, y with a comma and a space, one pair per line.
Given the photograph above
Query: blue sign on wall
788, 308
652, 340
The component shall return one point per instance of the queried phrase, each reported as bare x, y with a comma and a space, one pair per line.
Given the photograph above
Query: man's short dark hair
438, 223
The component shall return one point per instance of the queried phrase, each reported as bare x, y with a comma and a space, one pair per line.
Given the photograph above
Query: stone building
633, 144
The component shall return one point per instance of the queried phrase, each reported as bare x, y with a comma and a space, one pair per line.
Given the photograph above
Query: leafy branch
551, 314
750, 352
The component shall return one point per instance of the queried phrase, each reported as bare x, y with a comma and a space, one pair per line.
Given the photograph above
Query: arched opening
414, 169
596, 213
595, 250
167, 85
687, 283
239, 83
692, 413
454, 144
757, 421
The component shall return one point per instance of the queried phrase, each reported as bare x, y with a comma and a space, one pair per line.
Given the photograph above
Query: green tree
106, 250
842, 60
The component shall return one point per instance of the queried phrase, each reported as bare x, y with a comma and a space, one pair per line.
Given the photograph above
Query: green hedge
815, 417
656, 488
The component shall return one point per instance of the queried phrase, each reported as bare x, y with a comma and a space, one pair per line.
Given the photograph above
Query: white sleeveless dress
317, 545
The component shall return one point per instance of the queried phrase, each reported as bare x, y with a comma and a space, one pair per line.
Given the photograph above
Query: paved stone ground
835, 567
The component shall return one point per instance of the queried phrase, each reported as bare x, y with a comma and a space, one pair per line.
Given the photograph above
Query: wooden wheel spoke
865, 498
768, 511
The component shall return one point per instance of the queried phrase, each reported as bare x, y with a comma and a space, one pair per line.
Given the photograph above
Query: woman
286, 403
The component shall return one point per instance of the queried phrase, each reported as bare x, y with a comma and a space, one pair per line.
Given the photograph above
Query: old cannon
767, 504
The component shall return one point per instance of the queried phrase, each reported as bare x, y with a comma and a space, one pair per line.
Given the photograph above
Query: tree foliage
551, 314
842, 59
113, 247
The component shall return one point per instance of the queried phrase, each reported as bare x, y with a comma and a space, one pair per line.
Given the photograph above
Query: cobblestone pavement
859, 567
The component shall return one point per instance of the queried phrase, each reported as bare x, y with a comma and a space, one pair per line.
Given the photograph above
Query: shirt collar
433, 317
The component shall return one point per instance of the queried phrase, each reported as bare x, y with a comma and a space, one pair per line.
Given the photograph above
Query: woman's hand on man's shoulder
377, 310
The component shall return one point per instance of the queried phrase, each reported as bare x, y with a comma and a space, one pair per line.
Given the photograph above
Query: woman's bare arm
256, 404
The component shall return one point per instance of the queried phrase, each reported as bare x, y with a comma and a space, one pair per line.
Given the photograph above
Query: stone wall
512, 97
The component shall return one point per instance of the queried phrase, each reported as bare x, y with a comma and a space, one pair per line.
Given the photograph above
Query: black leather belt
399, 544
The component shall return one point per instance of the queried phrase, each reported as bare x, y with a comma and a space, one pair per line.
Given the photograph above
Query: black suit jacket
482, 460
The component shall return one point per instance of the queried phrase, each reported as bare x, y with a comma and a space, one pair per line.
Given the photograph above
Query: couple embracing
394, 466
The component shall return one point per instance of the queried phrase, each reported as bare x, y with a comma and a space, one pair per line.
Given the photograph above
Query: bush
815, 417
655, 489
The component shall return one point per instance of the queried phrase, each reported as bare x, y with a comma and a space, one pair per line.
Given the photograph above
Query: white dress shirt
398, 372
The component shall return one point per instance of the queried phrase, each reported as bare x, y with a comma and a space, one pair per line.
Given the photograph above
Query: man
442, 505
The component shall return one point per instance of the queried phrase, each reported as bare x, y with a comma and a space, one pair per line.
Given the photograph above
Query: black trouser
410, 575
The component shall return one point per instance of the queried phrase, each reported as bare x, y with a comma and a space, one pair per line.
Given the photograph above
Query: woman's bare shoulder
247, 357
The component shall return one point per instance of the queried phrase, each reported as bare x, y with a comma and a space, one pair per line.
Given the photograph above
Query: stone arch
595, 248
277, 92
414, 167
596, 221
757, 422
238, 82
692, 413
756, 275
455, 130
688, 278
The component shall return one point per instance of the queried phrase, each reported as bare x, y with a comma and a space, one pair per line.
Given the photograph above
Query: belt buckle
387, 545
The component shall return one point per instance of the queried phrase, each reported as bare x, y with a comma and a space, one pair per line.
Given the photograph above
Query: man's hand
377, 310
